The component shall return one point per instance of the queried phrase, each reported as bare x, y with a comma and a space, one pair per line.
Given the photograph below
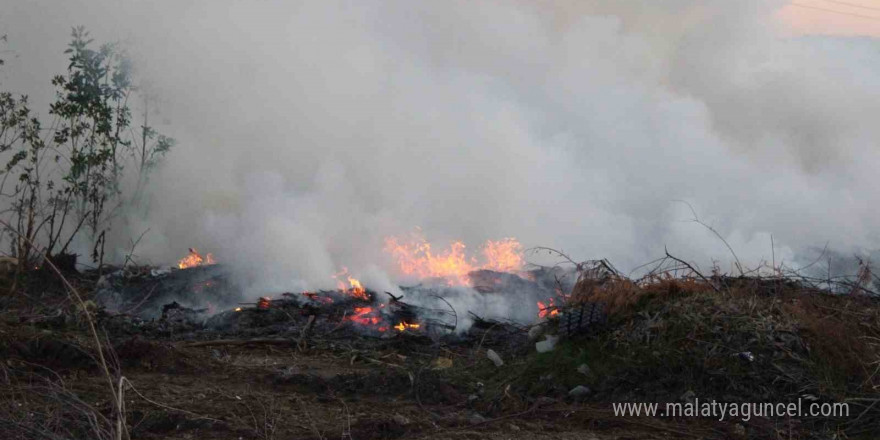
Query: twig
339, 325
314, 427
257, 341
692, 269
92, 329
346, 426
697, 220
484, 337
131, 386
394, 298
773, 253
554, 251
416, 386
454, 314
146, 297
301, 344
505, 417
133, 246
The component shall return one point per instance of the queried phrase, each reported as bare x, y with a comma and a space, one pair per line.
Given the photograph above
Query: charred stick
303, 336
258, 341
146, 297
480, 345
454, 314
394, 298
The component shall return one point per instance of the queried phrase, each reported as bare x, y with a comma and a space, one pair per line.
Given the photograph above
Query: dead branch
554, 251
692, 269
454, 314
480, 345
301, 343
146, 297
394, 298
133, 247
255, 341
697, 220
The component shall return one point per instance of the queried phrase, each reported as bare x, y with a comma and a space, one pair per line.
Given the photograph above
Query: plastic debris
547, 344
494, 357
746, 356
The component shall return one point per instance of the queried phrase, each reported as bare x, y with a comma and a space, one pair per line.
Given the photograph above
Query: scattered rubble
579, 392
548, 344
584, 369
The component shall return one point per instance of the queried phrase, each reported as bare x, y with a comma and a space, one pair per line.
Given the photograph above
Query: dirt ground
257, 383
268, 392
175, 390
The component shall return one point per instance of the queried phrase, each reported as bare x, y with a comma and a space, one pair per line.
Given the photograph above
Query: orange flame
194, 259
549, 309
503, 255
361, 316
354, 286
415, 257
404, 325
264, 303
357, 289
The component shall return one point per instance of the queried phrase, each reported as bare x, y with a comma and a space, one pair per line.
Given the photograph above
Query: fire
357, 289
238, 309
503, 255
315, 297
546, 310
354, 286
403, 326
415, 257
362, 316
195, 259
264, 303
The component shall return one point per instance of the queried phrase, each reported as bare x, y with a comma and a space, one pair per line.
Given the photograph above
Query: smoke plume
308, 131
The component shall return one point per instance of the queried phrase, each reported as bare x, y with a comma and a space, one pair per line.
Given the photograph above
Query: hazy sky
310, 130
853, 18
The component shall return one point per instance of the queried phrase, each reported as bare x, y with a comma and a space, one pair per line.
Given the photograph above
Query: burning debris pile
199, 300
147, 293
186, 301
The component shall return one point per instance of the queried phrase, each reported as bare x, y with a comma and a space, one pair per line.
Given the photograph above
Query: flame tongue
354, 286
415, 257
403, 326
548, 309
357, 289
195, 259
503, 255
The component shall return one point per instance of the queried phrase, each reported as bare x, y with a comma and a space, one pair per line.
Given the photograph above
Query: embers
264, 303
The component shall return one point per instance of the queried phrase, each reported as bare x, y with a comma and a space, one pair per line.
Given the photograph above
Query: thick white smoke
310, 130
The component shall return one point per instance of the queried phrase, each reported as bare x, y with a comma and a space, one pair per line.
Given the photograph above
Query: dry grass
805, 341
621, 295
843, 333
